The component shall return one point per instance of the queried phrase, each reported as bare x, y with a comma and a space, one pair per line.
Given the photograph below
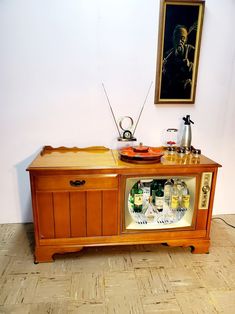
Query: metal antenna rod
142, 107
111, 110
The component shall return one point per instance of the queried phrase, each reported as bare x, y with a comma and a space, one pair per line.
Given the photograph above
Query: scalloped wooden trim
63, 149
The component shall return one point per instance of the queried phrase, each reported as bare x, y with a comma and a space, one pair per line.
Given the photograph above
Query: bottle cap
171, 149
181, 150
196, 151
187, 150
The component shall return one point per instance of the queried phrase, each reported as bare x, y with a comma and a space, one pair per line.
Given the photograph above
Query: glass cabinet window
159, 202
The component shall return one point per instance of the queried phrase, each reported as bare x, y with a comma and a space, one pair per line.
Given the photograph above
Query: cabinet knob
77, 182
205, 189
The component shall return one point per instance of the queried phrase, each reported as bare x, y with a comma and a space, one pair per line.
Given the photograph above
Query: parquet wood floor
139, 279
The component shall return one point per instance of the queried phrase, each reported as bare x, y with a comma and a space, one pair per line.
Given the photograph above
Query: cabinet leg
197, 246
45, 253
201, 247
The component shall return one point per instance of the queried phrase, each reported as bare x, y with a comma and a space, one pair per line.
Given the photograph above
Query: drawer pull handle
77, 182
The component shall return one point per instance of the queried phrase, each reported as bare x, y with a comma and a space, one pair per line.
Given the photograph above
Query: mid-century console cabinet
80, 198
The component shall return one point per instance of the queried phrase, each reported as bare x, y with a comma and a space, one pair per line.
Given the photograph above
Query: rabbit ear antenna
142, 107
111, 110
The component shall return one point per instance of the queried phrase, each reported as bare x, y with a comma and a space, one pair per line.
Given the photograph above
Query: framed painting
179, 42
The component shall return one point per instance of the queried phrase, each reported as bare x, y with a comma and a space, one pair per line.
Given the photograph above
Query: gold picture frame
179, 40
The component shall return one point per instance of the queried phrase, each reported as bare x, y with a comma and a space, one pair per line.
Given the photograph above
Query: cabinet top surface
99, 157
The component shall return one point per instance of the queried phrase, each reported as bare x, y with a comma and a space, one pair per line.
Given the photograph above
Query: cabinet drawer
76, 182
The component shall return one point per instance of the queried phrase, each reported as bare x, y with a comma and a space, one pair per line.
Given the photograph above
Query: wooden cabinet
76, 206
80, 198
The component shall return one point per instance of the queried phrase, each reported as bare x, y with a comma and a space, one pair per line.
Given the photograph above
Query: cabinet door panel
61, 214
94, 213
109, 214
45, 215
78, 214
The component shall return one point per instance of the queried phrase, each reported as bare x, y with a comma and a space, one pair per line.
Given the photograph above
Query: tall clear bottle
180, 186
168, 190
185, 198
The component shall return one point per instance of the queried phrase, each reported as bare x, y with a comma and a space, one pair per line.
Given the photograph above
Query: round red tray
141, 154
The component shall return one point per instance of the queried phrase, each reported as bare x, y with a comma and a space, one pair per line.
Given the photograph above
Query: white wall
56, 53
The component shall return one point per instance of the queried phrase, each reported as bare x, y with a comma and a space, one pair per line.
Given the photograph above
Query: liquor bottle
153, 189
180, 186
137, 198
131, 194
175, 197
185, 199
167, 190
159, 198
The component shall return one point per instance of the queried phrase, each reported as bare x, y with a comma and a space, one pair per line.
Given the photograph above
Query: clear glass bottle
180, 186
178, 183
174, 197
159, 197
171, 137
185, 198
167, 190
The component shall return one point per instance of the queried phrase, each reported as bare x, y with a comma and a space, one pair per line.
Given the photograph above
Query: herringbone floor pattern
140, 279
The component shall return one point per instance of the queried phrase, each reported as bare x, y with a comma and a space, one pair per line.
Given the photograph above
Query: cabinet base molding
46, 253
197, 246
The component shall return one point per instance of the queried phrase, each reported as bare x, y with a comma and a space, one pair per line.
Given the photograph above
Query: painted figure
177, 68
